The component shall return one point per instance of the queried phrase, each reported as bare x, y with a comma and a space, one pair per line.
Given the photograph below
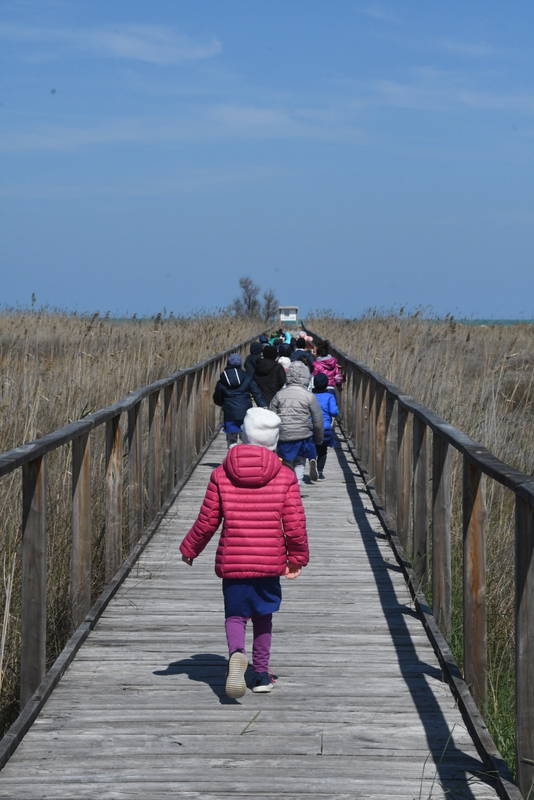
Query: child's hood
232, 377
298, 373
327, 362
250, 465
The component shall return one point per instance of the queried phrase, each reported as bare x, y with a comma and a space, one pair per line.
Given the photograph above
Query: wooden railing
167, 426
406, 450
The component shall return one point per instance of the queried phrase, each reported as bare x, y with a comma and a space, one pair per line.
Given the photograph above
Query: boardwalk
359, 711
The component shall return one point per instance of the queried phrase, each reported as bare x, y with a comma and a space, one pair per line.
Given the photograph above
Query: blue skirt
250, 597
289, 451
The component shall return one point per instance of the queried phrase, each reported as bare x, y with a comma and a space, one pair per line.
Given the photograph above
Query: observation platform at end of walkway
360, 709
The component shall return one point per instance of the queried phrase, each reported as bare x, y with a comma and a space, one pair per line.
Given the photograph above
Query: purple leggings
262, 627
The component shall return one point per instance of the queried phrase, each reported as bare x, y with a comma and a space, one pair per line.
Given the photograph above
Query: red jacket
264, 525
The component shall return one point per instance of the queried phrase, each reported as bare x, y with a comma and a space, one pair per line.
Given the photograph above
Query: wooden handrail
174, 419
391, 433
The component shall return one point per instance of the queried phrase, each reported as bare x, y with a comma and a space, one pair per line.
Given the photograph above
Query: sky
348, 155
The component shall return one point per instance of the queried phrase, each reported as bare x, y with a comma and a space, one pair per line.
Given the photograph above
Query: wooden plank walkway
359, 710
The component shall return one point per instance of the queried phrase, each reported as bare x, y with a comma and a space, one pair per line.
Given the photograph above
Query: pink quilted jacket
329, 366
264, 526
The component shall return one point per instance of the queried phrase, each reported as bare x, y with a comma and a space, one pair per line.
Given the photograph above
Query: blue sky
348, 155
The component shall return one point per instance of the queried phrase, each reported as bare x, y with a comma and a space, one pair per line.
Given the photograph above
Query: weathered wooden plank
113, 497
474, 583
80, 572
154, 454
34, 577
135, 475
420, 505
524, 563
441, 534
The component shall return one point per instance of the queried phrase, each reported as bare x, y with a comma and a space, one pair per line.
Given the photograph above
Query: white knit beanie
262, 427
284, 361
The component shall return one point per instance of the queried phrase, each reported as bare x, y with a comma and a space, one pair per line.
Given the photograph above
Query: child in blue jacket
328, 403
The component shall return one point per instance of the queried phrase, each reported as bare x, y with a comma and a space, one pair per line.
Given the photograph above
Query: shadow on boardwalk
208, 668
439, 735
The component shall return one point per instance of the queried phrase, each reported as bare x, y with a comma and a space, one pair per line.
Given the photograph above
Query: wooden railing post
135, 475
371, 422
380, 442
420, 504
404, 479
80, 573
358, 411
154, 453
364, 422
524, 637
474, 577
169, 407
441, 534
113, 534
391, 458
34, 577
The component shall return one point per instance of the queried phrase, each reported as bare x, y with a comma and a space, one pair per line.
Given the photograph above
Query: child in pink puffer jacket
328, 365
263, 536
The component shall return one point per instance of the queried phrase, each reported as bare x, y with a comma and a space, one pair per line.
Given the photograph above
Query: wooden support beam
135, 475
34, 577
474, 583
390, 490
380, 442
154, 454
404, 479
420, 503
113, 534
524, 637
441, 534
80, 572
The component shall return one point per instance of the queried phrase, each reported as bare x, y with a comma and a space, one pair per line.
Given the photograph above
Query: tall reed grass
480, 378
56, 368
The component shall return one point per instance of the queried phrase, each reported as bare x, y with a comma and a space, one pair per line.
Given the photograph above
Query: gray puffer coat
297, 407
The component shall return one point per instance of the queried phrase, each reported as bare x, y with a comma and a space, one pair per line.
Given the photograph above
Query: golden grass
480, 378
56, 368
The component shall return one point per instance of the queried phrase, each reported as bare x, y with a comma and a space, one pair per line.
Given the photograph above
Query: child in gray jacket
302, 421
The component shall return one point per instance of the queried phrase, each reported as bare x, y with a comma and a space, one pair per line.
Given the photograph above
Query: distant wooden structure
349, 629
288, 316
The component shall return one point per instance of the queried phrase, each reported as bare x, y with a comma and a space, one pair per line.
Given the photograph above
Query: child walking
329, 407
302, 421
263, 537
233, 392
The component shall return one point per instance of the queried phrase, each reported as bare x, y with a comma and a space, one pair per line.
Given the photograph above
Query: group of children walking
255, 492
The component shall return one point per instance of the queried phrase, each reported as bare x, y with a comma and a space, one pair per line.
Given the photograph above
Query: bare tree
248, 304
270, 305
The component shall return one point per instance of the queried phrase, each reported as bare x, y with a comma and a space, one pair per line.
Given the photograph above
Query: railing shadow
208, 668
443, 753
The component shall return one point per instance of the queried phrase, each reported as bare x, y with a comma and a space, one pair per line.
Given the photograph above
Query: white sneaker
235, 680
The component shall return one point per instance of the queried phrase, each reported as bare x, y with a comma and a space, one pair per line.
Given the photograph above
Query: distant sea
496, 321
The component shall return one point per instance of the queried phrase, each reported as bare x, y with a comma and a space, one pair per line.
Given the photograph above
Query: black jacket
270, 377
233, 391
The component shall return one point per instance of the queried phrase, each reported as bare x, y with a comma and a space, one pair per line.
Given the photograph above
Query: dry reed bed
480, 378
56, 368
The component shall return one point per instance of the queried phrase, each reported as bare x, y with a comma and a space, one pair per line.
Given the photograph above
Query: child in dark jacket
233, 392
329, 407
263, 537
269, 374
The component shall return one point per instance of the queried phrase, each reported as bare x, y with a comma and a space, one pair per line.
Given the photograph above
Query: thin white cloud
380, 13
469, 49
208, 123
149, 43
438, 90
